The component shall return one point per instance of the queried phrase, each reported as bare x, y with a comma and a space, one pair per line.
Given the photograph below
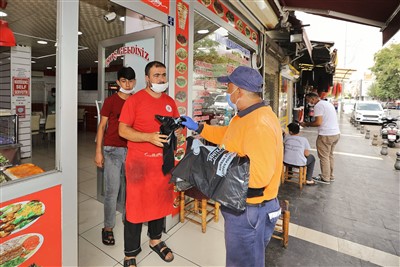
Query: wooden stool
208, 209
281, 230
294, 174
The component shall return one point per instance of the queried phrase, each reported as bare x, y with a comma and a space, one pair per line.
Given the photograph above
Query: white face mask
128, 92
159, 87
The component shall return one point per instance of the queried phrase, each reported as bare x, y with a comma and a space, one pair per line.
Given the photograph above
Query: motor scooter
390, 131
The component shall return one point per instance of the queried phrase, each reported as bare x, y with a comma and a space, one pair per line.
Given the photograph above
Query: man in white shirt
297, 151
328, 135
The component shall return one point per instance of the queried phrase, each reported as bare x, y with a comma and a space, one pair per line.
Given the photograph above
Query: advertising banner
181, 74
162, 5
30, 229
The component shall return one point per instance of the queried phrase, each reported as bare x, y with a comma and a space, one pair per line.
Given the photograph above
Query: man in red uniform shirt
149, 196
114, 149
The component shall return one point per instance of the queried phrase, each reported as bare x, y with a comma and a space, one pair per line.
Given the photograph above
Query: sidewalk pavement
354, 221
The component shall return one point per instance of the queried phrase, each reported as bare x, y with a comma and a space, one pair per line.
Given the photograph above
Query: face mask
128, 92
230, 103
159, 87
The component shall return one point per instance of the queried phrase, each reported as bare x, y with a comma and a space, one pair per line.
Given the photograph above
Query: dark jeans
247, 234
310, 167
132, 232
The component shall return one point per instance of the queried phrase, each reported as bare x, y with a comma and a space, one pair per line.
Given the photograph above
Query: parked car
370, 112
390, 105
221, 104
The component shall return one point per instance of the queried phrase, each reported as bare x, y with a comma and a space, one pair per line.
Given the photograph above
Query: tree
387, 72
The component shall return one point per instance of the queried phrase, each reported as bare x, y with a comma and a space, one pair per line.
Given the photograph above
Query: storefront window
216, 53
28, 108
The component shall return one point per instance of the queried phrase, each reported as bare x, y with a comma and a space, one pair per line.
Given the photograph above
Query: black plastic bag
220, 175
168, 126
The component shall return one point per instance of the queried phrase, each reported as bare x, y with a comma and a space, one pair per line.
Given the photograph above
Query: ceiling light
6, 35
3, 14
41, 42
96, 61
203, 31
79, 33
32, 61
122, 18
49, 68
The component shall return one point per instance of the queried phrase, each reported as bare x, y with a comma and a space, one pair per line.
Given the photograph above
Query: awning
342, 75
382, 14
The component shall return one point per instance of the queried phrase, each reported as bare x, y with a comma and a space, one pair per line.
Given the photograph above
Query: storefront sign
128, 50
162, 5
217, 7
35, 239
20, 86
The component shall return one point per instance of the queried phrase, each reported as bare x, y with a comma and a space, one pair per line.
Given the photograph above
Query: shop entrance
132, 50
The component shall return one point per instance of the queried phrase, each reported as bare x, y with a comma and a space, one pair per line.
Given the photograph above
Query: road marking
352, 135
352, 155
344, 246
348, 135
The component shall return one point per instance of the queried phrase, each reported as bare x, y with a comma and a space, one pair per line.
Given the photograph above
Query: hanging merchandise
338, 90
220, 175
334, 90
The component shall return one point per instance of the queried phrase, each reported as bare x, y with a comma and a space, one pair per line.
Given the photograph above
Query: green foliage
387, 72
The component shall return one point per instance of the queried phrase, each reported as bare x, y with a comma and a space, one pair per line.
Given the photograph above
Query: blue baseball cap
244, 77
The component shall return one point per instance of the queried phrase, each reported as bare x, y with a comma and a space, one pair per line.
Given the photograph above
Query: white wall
41, 87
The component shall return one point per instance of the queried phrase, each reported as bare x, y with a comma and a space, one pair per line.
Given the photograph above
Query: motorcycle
390, 131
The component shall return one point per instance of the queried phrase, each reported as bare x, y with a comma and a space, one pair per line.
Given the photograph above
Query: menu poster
181, 74
162, 5
30, 229
217, 7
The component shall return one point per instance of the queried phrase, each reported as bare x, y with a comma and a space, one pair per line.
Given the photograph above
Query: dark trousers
132, 232
310, 167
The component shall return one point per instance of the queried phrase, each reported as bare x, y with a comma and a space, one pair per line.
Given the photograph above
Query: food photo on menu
181, 39
181, 53
181, 67
218, 8
180, 152
206, 2
16, 251
181, 81
18, 216
180, 96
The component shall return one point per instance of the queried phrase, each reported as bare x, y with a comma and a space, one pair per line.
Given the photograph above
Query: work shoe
332, 179
318, 179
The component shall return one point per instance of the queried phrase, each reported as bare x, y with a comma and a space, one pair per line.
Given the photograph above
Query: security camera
110, 16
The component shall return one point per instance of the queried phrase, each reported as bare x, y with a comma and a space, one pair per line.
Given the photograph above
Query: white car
370, 112
221, 104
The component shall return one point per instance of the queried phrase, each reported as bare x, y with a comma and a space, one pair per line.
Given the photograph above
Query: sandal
311, 183
162, 250
130, 262
107, 237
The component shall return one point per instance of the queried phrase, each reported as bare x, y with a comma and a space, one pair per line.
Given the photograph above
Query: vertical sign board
33, 237
181, 73
21, 94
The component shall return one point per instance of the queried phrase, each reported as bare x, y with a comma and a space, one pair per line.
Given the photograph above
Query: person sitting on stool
297, 151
